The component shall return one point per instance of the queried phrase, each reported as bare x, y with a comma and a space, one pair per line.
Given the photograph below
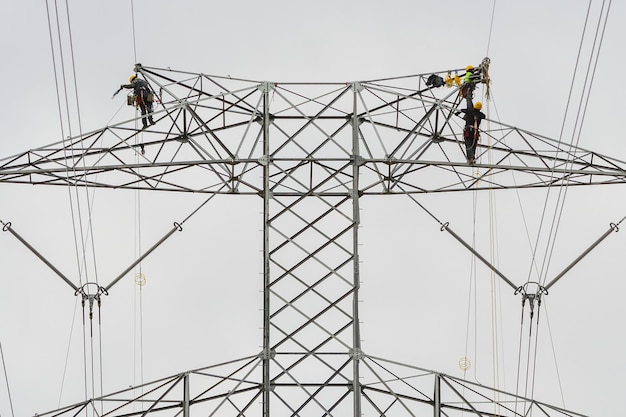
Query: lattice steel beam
208, 139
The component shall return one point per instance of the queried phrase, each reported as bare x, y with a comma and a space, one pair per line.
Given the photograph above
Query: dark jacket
139, 86
472, 115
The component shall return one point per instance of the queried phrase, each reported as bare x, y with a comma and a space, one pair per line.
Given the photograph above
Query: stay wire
69, 127
90, 235
563, 191
61, 124
530, 333
560, 141
556, 364
69, 124
6, 379
67, 353
100, 350
519, 356
138, 247
140, 325
529, 240
85, 351
73, 215
138, 283
534, 370
584, 97
496, 314
472, 284
473, 274
469, 313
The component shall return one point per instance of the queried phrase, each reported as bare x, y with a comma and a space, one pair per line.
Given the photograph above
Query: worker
473, 116
472, 76
143, 96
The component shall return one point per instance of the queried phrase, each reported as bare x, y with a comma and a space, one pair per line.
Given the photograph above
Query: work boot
145, 123
151, 121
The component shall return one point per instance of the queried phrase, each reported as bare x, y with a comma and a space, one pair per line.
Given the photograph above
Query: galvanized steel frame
310, 151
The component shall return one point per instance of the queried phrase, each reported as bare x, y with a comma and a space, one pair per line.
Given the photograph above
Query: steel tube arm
7, 228
613, 228
142, 257
479, 256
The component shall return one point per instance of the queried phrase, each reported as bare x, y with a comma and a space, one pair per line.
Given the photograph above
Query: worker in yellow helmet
469, 70
473, 116
144, 97
472, 76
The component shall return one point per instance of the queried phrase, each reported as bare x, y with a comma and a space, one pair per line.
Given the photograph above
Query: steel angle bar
304, 292
325, 385
401, 399
202, 95
337, 92
310, 255
288, 174
311, 320
311, 223
308, 288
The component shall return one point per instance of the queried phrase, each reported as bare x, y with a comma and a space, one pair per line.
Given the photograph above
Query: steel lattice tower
310, 152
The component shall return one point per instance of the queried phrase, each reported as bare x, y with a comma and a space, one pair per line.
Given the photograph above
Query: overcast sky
200, 295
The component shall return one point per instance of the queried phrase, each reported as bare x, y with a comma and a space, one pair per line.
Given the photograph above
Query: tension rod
613, 227
446, 227
142, 257
6, 227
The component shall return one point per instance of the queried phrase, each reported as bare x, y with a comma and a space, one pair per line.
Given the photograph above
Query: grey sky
203, 297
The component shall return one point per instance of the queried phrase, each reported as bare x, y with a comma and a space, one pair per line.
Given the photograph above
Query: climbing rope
493, 13
132, 16
495, 313
140, 279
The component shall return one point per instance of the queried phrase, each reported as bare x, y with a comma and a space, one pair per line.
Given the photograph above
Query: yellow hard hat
469, 68
132, 77
478, 105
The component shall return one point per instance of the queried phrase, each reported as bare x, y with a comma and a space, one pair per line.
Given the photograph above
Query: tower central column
311, 339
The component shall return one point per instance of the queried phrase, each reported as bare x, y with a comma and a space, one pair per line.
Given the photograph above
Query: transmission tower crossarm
7, 228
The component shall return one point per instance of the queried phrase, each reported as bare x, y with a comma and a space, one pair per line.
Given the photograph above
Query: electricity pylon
310, 152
